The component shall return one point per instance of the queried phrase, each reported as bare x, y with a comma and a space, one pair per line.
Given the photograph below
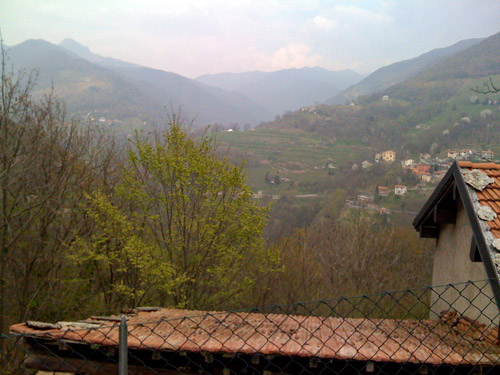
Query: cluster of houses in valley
367, 200
428, 170
470, 154
260, 194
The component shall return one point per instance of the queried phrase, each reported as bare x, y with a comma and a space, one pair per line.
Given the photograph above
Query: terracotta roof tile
451, 340
490, 195
469, 164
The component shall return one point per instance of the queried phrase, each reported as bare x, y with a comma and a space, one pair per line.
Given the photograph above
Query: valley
421, 108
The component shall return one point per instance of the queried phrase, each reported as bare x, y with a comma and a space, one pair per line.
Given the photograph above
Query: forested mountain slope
398, 72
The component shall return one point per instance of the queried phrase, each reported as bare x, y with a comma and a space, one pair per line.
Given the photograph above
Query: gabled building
462, 214
365, 199
424, 168
389, 156
258, 195
487, 155
425, 156
407, 163
382, 191
366, 164
466, 153
425, 177
400, 190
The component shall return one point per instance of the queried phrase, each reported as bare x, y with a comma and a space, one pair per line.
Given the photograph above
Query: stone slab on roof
490, 195
452, 340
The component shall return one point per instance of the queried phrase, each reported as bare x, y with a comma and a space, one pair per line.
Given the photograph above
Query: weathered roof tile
490, 195
451, 340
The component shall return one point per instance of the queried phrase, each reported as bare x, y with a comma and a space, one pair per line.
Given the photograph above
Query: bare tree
15, 113
48, 164
347, 258
489, 87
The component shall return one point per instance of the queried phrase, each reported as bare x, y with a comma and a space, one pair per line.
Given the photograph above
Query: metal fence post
123, 347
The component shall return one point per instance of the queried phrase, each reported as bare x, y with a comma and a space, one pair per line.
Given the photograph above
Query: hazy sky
197, 37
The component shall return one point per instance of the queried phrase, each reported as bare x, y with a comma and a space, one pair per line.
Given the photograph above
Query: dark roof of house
441, 207
451, 340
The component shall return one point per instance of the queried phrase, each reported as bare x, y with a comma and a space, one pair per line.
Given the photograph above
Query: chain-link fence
441, 329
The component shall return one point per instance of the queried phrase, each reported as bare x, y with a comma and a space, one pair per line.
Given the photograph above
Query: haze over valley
303, 120
216, 156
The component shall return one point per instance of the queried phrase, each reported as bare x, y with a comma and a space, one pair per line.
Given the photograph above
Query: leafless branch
489, 87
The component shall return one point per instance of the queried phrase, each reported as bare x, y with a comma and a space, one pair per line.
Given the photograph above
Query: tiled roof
490, 195
452, 340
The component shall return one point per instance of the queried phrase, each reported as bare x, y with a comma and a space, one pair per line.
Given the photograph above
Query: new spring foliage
179, 230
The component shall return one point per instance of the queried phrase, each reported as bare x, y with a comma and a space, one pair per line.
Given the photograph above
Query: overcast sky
198, 37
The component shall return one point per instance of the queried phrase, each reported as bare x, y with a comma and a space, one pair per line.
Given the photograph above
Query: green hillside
321, 149
398, 72
298, 155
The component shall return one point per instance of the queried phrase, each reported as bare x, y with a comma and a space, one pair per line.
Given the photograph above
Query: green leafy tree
180, 230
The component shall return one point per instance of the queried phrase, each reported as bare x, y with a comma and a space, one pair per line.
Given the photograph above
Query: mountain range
287, 89
99, 86
111, 88
323, 148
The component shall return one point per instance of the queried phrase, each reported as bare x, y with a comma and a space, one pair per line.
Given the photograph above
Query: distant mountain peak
36, 47
84, 52
37, 43
74, 46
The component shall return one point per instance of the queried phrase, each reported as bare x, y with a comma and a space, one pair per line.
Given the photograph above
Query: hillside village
426, 142
427, 170
422, 173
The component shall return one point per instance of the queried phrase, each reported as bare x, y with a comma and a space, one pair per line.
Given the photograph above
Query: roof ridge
469, 164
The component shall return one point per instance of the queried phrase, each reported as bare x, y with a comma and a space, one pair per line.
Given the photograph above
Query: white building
400, 190
366, 164
408, 162
258, 195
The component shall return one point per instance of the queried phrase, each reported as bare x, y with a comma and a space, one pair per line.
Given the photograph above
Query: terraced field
293, 154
